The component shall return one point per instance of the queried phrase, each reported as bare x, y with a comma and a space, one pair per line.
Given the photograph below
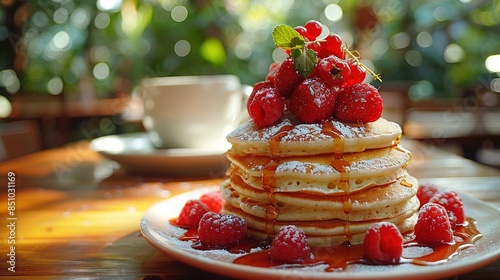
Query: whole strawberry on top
320, 79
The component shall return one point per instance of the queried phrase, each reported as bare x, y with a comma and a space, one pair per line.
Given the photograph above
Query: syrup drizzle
340, 164
338, 258
268, 180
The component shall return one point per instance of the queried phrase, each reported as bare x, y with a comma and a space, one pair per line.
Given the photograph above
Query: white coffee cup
192, 111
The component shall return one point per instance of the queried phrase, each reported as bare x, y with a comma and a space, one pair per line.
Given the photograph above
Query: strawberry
213, 200
453, 204
433, 224
359, 103
265, 106
383, 243
220, 229
313, 101
286, 78
191, 213
290, 245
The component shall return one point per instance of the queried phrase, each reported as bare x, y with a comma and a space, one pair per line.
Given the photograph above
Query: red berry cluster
439, 214
214, 229
448, 210
333, 88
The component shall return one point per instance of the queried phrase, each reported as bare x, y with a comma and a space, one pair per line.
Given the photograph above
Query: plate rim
229, 269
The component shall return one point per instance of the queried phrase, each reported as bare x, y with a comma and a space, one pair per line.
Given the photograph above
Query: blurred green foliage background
104, 47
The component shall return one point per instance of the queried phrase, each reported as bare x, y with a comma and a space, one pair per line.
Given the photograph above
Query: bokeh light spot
424, 39
182, 48
5, 107
55, 86
60, 16
102, 20
413, 57
454, 53
492, 63
101, 71
333, 12
109, 5
400, 40
179, 13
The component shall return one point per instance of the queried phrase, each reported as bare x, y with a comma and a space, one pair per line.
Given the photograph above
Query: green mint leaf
304, 62
287, 38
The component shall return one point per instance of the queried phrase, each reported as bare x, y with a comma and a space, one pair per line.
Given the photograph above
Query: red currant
302, 30
314, 29
333, 45
358, 73
315, 46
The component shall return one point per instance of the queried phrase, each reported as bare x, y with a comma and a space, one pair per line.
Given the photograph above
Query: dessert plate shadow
158, 232
137, 155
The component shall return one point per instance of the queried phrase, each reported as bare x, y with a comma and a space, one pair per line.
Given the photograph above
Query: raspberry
272, 72
433, 225
290, 245
213, 200
425, 192
265, 106
359, 103
453, 204
383, 243
286, 78
220, 230
333, 71
191, 213
313, 101
256, 87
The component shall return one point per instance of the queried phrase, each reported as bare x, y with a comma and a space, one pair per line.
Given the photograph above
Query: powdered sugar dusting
305, 167
300, 131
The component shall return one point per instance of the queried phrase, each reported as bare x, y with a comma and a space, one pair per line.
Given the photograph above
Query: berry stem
353, 56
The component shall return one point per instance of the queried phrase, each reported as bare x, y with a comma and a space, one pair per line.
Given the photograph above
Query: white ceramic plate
156, 229
137, 155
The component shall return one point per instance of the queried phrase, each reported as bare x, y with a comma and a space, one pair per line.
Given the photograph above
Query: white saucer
136, 153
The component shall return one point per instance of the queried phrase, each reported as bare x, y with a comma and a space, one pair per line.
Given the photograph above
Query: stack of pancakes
332, 179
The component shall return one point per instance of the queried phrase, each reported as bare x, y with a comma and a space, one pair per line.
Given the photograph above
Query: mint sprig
304, 61
287, 38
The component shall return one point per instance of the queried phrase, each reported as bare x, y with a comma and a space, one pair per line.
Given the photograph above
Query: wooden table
77, 214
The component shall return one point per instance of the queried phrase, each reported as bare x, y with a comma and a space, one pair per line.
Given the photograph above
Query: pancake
324, 173
327, 232
333, 180
289, 137
378, 202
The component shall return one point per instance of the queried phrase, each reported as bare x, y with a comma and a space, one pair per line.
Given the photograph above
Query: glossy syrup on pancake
280, 181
